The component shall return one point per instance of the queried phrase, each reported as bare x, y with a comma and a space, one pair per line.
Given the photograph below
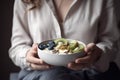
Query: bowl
59, 59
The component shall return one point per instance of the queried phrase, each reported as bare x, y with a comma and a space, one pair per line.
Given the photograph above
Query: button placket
55, 20
57, 28
56, 23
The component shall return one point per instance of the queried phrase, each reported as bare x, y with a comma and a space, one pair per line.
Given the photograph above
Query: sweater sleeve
21, 40
108, 35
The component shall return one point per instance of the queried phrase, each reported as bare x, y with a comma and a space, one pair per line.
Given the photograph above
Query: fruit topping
73, 44
64, 41
62, 45
78, 49
41, 46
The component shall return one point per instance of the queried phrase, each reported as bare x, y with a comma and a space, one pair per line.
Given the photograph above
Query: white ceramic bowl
59, 59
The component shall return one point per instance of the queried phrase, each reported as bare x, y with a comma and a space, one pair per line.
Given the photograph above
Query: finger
34, 46
35, 60
89, 47
33, 53
75, 66
91, 58
39, 67
86, 59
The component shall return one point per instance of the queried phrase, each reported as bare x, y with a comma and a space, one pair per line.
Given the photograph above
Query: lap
14, 76
62, 73
57, 73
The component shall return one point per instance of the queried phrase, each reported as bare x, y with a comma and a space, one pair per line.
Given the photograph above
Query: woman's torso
81, 21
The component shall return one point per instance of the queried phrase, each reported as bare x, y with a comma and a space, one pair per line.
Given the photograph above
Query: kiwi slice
64, 41
73, 44
80, 48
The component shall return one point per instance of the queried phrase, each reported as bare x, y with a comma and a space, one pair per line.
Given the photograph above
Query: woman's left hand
92, 55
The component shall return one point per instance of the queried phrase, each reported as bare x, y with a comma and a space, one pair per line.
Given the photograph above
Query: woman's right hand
35, 62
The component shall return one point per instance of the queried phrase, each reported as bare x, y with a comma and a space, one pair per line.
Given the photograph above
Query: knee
53, 76
56, 74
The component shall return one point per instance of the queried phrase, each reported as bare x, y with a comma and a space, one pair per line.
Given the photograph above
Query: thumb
34, 46
90, 47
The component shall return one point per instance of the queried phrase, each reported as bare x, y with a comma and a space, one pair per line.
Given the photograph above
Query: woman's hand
35, 62
92, 55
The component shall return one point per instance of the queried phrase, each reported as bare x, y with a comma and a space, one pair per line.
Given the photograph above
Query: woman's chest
79, 22
62, 8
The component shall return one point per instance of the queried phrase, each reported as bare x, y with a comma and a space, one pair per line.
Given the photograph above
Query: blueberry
50, 48
40, 46
45, 45
48, 45
51, 43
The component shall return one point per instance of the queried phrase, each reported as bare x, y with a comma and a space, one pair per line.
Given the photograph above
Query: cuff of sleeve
102, 47
22, 56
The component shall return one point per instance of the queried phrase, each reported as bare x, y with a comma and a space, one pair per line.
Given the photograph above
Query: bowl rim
64, 54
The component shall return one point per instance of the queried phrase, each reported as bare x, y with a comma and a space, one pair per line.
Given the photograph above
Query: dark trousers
62, 73
113, 73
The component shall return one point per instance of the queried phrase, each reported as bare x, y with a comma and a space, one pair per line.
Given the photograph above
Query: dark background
6, 65
6, 13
